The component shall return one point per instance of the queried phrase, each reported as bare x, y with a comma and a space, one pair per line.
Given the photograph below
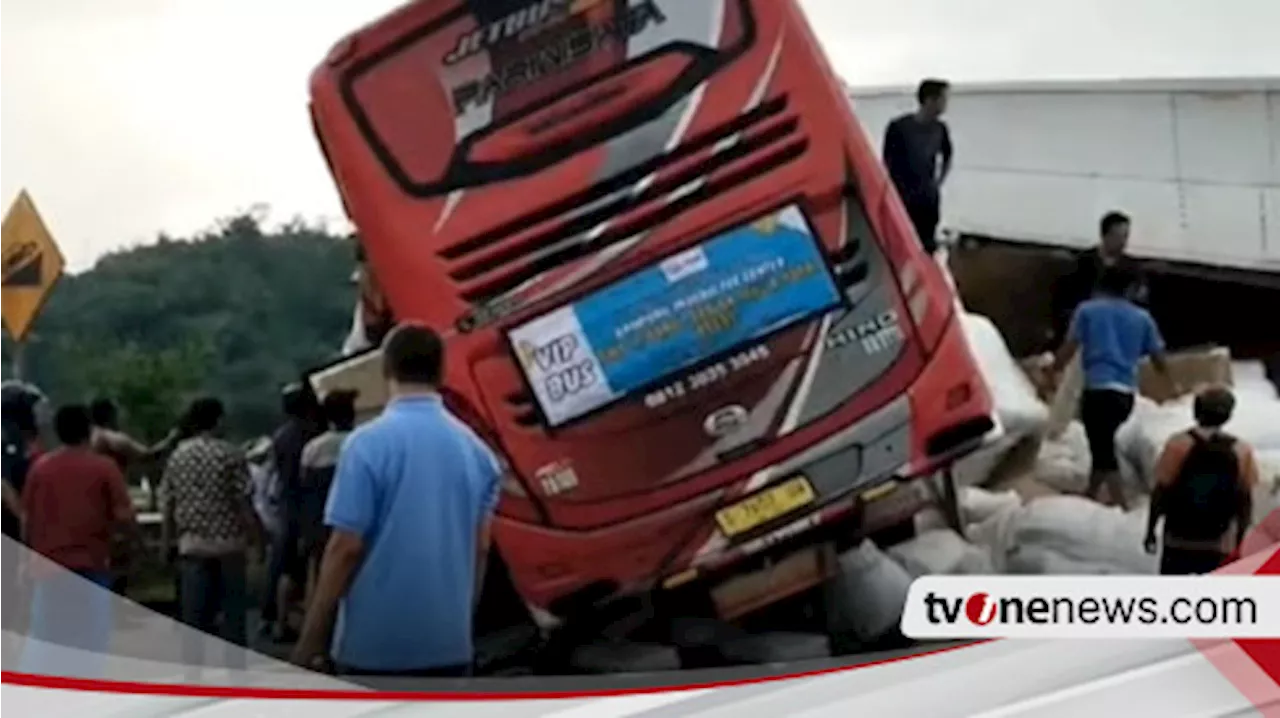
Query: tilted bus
679, 296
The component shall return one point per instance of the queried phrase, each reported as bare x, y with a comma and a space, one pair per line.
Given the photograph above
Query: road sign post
19, 360
32, 265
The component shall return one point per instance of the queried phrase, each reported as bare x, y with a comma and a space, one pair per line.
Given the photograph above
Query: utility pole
18, 360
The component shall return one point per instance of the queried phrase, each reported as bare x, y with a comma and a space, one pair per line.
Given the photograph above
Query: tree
151, 387
235, 312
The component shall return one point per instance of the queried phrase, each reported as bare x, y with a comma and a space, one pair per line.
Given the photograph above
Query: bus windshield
509, 75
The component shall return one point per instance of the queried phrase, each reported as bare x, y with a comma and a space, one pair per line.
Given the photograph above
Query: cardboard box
1189, 369
362, 374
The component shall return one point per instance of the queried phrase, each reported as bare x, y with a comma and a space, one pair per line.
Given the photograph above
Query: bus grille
493, 263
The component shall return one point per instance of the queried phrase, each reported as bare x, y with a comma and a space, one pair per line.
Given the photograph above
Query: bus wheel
506, 635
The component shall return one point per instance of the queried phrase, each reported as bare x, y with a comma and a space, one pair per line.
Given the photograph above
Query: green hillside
235, 312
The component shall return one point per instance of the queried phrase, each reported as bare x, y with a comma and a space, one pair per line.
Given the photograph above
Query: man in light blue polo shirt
1113, 336
410, 510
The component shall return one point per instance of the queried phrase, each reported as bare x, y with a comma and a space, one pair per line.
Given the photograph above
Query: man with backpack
1204, 483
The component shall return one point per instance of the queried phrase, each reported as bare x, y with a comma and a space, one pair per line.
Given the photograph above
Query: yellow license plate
765, 506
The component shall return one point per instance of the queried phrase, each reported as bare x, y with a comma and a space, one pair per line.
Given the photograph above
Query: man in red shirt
74, 501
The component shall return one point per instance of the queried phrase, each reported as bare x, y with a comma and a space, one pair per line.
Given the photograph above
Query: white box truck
1194, 162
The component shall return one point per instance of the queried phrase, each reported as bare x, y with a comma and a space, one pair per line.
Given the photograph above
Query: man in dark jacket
1082, 281
319, 463
287, 573
917, 154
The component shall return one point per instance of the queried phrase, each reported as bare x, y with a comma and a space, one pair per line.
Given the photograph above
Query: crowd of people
1205, 477
373, 540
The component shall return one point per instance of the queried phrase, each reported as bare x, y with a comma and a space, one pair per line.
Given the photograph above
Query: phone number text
706, 376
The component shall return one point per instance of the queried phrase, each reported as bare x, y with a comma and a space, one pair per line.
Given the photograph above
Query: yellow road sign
32, 265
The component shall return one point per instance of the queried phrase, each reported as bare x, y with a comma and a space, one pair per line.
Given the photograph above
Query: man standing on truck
1204, 488
1079, 284
917, 154
1113, 335
410, 512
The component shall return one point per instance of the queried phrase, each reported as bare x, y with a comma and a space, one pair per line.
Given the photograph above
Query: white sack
1064, 463
1140, 440
929, 519
1020, 410
867, 597
1043, 561
978, 505
995, 536
1251, 376
1266, 495
942, 552
976, 468
1256, 420
1084, 531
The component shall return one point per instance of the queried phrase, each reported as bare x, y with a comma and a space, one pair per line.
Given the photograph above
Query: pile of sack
1019, 412
1041, 531
1050, 535
1063, 463
1067, 535
1256, 420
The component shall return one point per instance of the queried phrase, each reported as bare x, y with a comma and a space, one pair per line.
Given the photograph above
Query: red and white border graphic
1104, 676
1169, 676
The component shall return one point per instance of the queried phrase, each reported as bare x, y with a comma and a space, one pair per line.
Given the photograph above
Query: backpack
1205, 497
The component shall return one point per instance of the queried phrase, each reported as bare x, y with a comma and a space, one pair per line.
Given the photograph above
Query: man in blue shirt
410, 512
1113, 336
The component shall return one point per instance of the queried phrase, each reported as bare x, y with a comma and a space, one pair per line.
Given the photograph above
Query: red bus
679, 295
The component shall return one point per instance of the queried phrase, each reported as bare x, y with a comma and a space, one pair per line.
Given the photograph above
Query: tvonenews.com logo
979, 608
1084, 606
982, 609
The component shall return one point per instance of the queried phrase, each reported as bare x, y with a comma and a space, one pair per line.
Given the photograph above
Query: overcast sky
127, 117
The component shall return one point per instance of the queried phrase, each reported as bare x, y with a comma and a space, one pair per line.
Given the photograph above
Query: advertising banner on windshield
732, 289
